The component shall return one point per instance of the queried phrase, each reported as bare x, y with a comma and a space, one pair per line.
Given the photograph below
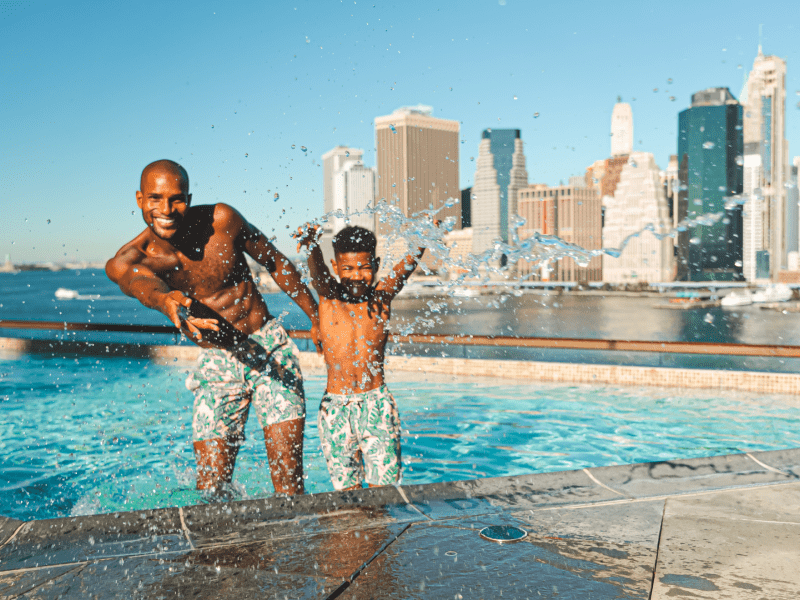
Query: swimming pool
82, 435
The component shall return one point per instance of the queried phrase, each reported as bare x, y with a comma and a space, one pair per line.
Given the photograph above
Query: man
189, 264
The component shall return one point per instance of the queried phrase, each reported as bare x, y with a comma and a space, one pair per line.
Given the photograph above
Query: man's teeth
165, 222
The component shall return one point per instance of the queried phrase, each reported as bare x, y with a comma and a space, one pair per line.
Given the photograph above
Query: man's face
356, 271
164, 199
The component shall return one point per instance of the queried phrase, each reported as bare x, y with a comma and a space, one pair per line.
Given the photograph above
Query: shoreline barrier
528, 370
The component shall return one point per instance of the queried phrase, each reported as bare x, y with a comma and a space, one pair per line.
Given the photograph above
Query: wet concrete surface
720, 527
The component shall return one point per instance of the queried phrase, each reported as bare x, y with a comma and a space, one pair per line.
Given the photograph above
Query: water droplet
738, 66
723, 188
632, 163
709, 318
695, 240
347, 153
669, 81
536, 115
515, 97
392, 128
245, 154
48, 221
394, 185
303, 148
655, 90
740, 160
472, 158
212, 127
672, 98
738, 263
292, 146
276, 196
708, 145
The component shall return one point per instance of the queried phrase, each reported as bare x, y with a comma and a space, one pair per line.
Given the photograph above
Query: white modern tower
621, 129
766, 162
332, 162
639, 203
353, 193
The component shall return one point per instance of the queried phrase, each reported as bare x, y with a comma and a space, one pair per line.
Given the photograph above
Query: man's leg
216, 460
284, 443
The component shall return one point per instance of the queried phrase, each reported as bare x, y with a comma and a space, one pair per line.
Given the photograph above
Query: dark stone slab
22, 582
499, 494
7, 528
783, 460
626, 522
147, 577
436, 560
69, 540
270, 518
684, 476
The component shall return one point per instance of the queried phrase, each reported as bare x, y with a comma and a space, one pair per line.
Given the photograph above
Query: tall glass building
499, 175
710, 146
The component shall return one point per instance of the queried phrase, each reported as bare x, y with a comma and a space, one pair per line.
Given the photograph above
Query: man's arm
283, 272
137, 280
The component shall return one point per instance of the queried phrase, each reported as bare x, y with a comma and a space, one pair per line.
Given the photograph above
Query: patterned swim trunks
224, 387
358, 433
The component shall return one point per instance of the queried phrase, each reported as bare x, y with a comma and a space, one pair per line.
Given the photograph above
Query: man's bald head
169, 167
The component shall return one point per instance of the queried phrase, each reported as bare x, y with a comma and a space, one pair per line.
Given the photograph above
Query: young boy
359, 425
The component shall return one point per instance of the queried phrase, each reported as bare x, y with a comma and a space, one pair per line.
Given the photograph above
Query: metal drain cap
503, 534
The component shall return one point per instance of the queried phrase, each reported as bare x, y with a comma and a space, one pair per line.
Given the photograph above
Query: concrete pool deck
719, 527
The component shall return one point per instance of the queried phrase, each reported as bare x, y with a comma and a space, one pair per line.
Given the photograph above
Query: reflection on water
82, 435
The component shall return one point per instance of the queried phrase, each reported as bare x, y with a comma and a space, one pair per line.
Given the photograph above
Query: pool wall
748, 381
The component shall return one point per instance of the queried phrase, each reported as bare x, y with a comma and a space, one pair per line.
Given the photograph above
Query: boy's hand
307, 236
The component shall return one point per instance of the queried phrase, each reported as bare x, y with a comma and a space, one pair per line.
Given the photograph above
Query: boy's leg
379, 424
339, 444
284, 442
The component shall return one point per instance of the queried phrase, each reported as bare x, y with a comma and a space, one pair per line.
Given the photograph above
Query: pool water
82, 435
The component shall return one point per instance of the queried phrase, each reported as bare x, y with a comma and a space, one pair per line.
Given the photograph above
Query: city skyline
86, 111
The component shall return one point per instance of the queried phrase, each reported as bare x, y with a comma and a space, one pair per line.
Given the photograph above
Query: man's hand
176, 305
307, 236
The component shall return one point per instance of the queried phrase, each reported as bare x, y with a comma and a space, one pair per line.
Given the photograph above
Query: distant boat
737, 298
65, 294
779, 292
466, 292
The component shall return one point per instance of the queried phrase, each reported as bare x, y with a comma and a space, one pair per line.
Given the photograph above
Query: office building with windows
636, 212
499, 175
766, 153
710, 176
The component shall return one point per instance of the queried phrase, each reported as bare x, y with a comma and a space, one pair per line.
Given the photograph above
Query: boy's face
356, 271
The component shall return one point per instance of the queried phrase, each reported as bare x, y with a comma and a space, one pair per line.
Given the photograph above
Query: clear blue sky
90, 92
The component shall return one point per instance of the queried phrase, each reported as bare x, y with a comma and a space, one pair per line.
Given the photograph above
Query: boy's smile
356, 271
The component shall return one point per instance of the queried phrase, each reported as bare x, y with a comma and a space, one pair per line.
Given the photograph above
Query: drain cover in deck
503, 534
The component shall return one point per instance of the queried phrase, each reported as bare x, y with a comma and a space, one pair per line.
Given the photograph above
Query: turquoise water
86, 435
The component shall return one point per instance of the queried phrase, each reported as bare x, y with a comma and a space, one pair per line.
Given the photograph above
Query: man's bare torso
208, 264
354, 339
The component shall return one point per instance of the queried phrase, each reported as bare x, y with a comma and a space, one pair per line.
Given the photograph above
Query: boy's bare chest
346, 320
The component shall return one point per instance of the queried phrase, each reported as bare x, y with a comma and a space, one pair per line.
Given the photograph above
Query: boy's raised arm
395, 281
308, 237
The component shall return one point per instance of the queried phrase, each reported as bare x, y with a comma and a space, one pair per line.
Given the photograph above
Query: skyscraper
572, 213
417, 157
710, 173
333, 161
638, 203
621, 129
766, 153
499, 174
353, 192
